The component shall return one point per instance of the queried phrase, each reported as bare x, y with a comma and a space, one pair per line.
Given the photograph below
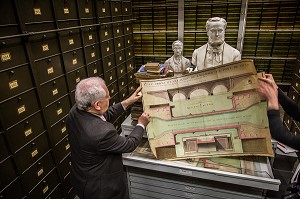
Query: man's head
215, 28
177, 47
92, 95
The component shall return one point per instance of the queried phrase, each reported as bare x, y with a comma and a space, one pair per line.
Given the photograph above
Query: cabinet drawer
118, 29
12, 53
120, 57
106, 32
73, 59
129, 52
293, 94
92, 53
45, 187
86, 9
107, 48
89, 35
128, 40
7, 13
58, 131
128, 28
109, 62
95, 69
37, 172
58, 110
62, 149
114, 100
130, 75
53, 90
3, 148
127, 8
123, 94
75, 77
19, 108
110, 76
65, 9
70, 39
122, 82
31, 152
15, 81
48, 68
116, 8
119, 43
7, 172
121, 70
103, 8
130, 64
56, 193
64, 166
13, 191
296, 83
132, 86
26, 131
36, 10
113, 88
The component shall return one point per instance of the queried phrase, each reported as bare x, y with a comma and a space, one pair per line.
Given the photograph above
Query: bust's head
177, 47
215, 28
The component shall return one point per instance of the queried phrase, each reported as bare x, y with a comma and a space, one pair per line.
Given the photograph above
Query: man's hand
137, 95
267, 88
144, 119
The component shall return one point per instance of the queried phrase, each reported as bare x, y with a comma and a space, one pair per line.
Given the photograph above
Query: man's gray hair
88, 91
215, 19
177, 42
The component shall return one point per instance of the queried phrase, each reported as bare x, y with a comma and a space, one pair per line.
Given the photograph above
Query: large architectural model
209, 113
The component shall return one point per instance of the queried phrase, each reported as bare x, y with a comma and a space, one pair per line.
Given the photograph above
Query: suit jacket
230, 54
96, 153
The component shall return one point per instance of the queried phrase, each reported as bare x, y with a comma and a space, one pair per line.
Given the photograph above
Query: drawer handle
26, 122
71, 32
19, 99
54, 82
3, 43
58, 103
44, 37
32, 144
49, 60
12, 72
74, 53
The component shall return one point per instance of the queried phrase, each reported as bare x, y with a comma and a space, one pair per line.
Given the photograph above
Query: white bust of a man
177, 63
216, 51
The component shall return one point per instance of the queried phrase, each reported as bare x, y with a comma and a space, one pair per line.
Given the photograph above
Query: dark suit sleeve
280, 133
113, 112
114, 143
289, 106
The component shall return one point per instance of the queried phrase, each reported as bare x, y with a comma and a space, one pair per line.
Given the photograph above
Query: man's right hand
144, 119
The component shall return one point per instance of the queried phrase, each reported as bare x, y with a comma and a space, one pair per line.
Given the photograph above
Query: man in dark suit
96, 147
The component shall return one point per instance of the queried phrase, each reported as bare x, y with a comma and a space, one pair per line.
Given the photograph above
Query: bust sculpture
177, 63
216, 51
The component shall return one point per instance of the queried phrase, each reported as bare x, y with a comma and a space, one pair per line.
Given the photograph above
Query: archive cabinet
46, 48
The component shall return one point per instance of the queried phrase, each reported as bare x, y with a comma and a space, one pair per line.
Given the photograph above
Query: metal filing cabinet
52, 45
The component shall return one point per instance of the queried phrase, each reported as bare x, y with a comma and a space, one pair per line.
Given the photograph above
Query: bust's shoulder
201, 48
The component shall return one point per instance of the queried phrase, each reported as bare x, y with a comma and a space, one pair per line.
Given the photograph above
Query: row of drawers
34, 11
19, 79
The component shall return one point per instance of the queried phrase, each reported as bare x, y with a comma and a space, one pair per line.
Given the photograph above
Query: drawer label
128, 41
21, 109
116, 9
121, 71
110, 78
93, 54
37, 11
105, 33
103, 9
67, 146
45, 47
95, 71
119, 44
71, 41
190, 195
127, 28
118, 30
28, 132
50, 70
107, 49
126, 9
109, 63
129, 53
34, 153
87, 10
74, 61
189, 188
70, 163
13, 84
59, 111
46, 188
54, 92
130, 77
5, 57
112, 91
90, 37
130, 66
297, 84
120, 58
66, 11
77, 79
122, 83
123, 94
63, 129
40, 172
185, 172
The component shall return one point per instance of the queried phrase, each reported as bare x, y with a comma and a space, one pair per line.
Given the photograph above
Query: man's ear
96, 105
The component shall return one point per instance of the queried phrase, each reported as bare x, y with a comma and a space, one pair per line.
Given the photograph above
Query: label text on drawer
63, 129
37, 11
71, 41
90, 37
28, 132
59, 111
54, 92
87, 10
21, 109
50, 70
34, 153
67, 146
45, 47
40, 172
45, 189
103, 9
190, 195
185, 172
74, 61
66, 11
13, 84
5, 57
